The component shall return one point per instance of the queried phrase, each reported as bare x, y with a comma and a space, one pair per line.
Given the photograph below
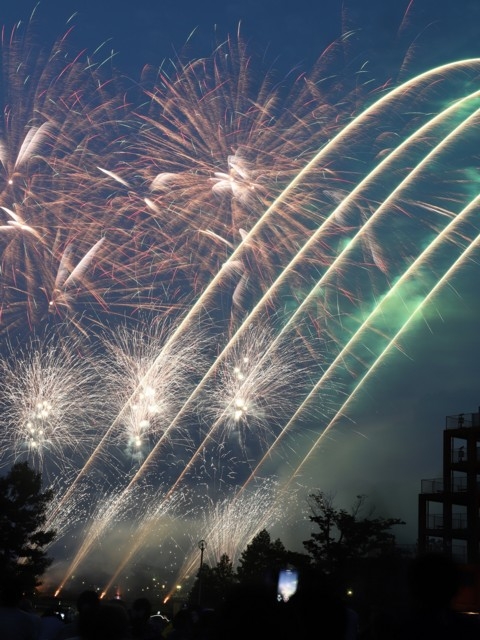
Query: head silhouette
434, 580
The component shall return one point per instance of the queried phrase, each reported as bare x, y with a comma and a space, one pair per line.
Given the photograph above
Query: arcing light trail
445, 236
282, 493
115, 506
474, 244
411, 176
410, 272
393, 342
199, 305
181, 356
203, 299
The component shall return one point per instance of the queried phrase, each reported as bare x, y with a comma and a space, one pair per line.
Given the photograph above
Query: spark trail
229, 524
357, 123
204, 298
446, 235
349, 130
392, 343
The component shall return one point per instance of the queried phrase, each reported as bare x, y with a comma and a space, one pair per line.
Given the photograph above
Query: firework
231, 520
51, 411
125, 510
146, 381
156, 523
220, 140
212, 261
254, 387
67, 254
149, 380
357, 325
76, 511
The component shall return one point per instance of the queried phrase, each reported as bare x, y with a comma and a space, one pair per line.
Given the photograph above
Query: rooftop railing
462, 420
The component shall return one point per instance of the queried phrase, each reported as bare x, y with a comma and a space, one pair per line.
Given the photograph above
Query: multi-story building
448, 507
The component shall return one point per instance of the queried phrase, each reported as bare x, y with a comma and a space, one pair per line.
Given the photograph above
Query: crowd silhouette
254, 611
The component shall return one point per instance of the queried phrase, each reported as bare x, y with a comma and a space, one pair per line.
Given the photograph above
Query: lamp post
201, 545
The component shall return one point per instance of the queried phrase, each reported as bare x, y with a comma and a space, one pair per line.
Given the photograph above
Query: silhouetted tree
347, 543
23, 507
215, 582
263, 558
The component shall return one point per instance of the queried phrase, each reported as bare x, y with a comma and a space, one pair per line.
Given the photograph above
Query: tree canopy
212, 583
348, 541
23, 514
259, 563
347, 544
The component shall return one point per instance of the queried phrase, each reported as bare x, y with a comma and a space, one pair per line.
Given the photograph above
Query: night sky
294, 33
391, 435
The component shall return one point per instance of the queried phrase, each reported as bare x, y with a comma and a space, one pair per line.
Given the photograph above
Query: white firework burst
255, 386
51, 402
149, 379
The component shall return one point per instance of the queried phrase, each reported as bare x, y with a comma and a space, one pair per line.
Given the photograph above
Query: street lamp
201, 545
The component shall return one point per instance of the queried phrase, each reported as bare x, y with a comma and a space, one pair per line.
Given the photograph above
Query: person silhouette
434, 579
141, 625
16, 624
50, 624
87, 603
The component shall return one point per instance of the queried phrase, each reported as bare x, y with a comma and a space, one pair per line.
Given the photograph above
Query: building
448, 507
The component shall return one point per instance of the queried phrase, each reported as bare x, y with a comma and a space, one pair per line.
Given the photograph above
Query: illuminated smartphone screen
287, 584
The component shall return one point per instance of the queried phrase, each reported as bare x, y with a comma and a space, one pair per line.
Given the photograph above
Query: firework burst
149, 379
254, 387
66, 253
232, 519
51, 412
220, 141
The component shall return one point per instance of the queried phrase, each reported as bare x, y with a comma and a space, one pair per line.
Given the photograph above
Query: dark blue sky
294, 32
